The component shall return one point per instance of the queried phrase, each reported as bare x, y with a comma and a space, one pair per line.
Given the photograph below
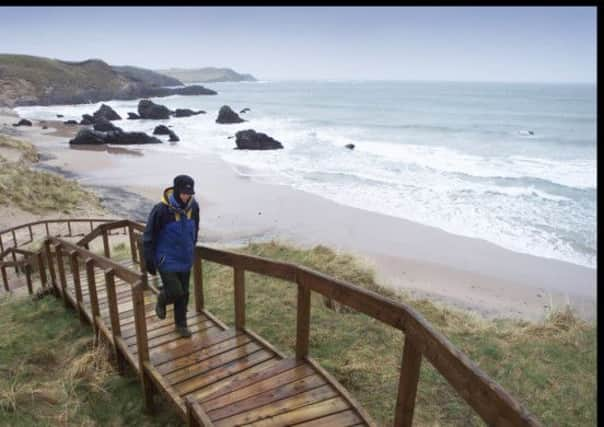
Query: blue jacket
171, 232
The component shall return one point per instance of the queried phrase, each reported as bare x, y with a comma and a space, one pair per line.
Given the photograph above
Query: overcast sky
532, 44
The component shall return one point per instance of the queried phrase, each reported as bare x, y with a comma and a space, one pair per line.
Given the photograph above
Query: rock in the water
251, 140
87, 119
185, 112
133, 116
161, 130
70, 122
22, 122
226, 116
107, 113
149, 110
173, 137
88, 137
60, 116
349, 146
104, 125
44, 127
526, 132
245, 110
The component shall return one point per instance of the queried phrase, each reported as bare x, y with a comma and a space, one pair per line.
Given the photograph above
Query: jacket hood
169, 200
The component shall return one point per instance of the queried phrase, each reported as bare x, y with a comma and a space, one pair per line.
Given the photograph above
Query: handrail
494, 405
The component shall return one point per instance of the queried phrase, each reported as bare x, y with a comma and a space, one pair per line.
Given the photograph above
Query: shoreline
424, 261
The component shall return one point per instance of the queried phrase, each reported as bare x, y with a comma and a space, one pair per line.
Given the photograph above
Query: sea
510, 163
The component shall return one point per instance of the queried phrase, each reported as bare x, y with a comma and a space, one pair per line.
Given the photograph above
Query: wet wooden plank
272, 393
173, 335
342, 419
272, 410
183, 347
227, 370
268, 383
305, 413
203, 354
155, 327
214, 362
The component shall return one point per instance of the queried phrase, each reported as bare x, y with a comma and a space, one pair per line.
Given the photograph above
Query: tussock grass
35, 191
550, 367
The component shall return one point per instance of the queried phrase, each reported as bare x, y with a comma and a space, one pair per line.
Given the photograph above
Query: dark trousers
175, 291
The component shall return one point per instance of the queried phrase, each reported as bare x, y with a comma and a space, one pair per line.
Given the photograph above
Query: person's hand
150, 265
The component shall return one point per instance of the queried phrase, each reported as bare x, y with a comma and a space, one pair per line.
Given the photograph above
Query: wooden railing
492, 403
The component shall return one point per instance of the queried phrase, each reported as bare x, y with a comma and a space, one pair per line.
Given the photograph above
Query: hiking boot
160, 309
183, 331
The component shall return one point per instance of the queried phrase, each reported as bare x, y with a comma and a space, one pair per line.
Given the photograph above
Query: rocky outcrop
22, 122
227, 116
95, 137
87, 119
104, 125
70, 122
251, 140
185, 112
133, 116
149, 110
164, 130
245, 110
349, 146
106, 112
60, 116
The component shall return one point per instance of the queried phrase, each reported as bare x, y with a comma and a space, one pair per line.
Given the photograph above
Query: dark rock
187, 90
349, 146
22, 122
227, 116
70, 122
161, 130
245, 110
44, 127
185, 112
87, 119
60, 115
104, 125
106, 112
173, 137
95, 137
251, 140
133, 116
150, 110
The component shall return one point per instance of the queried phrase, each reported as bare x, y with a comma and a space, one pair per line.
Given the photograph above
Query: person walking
168, 247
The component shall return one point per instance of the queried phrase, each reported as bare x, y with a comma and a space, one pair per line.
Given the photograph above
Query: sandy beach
424, 261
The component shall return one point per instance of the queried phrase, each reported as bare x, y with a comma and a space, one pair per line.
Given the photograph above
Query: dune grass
51, 373
35, 191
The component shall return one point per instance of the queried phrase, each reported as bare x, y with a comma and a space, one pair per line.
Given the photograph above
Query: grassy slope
549, 367
207, 74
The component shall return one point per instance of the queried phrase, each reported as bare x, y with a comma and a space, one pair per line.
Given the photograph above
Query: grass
52, 374
35, 191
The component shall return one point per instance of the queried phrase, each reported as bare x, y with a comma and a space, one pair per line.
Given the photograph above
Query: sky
505, 44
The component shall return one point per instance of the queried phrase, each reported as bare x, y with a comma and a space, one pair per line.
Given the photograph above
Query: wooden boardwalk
223, 376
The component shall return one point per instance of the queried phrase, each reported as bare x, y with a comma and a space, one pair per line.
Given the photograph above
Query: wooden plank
196, 416
75, 272
303, 320
275, 393
341, 419
272, 410
198, 281
407, 384
275, 369
183, 347
94, 303
61, 268
283, 378
159, 327
240, 376
201, 327
51, 264
227, 370
320, 409
239, 278
166, 389
214, 362
203, 354
264, 342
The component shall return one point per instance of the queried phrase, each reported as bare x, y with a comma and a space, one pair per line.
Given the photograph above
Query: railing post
198, 280
31, 234
132, 244
407, 385
47, 229
14, 238
69, 227
17, 272
42, 269
115, 318
62, 278
4, 278
239, 276
106, 249
138, 301
27, 268
51, 264
94, 300
141, 256
1, 244
75, 272
303, 319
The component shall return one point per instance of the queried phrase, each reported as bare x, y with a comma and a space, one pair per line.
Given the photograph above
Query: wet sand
424, 261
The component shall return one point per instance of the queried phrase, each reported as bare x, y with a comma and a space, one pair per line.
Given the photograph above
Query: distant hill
207, 75
33, 80
147, 76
